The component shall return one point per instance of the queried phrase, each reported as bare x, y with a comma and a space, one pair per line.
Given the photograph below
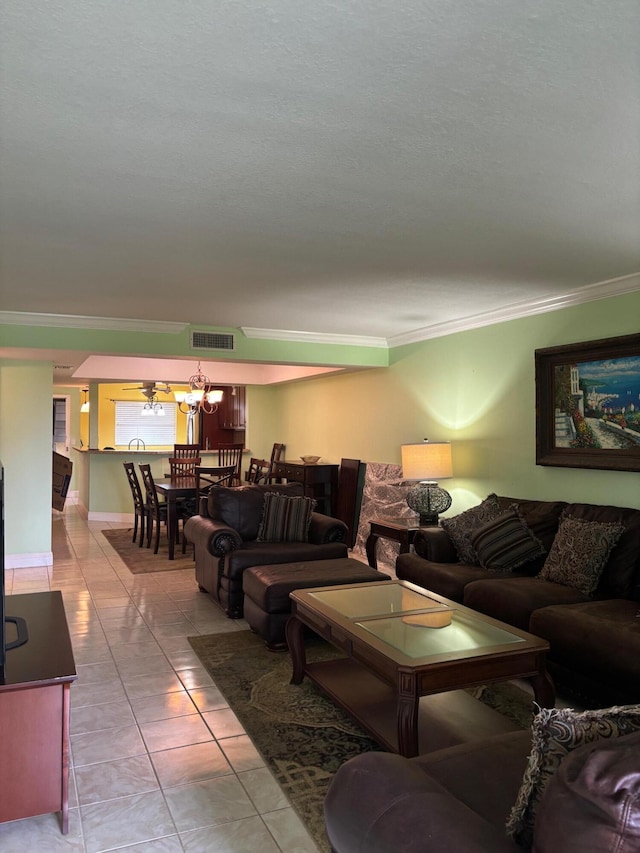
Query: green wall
26, 393
474, 388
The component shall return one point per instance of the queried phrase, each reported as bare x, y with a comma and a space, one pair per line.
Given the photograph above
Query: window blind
153, 430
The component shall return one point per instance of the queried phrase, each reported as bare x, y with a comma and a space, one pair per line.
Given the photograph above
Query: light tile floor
160, 763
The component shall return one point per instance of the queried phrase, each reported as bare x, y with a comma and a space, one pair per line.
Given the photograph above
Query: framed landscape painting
588, 404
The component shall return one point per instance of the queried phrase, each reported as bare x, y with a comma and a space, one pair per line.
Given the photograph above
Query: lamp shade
429, 460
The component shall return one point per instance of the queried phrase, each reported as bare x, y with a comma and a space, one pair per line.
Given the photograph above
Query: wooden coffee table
395, 655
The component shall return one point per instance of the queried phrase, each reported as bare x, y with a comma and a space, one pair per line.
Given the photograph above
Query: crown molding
76, 321
590, 293
600, 290
312, 337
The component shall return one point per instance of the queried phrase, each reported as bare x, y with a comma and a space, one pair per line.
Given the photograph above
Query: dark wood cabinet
227, 424
233, 408
34, 712
320, 481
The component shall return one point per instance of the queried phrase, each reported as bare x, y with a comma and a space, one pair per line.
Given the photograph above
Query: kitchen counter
129, 450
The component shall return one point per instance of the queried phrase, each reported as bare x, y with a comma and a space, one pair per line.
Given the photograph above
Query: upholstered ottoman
266, 591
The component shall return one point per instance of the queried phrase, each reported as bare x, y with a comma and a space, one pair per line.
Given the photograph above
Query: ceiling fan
150, 389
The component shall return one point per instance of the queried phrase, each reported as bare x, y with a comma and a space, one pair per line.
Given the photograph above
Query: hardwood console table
34, 711
320, 481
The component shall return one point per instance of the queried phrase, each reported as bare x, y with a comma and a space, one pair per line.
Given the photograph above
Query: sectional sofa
567, 572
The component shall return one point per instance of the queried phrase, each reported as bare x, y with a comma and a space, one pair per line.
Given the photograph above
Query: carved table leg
294, 632
370, 548
543, 687
408, 703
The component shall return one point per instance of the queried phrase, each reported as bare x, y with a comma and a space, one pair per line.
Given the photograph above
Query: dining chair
139, 503
207, 477
183, 467
276, 452
156, 509
185, 451
231, 454
258, 471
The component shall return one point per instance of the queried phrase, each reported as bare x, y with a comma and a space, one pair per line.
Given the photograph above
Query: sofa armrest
324, 529
383, 803
433, 543
215, 537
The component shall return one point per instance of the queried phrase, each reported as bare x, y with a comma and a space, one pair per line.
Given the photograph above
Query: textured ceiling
359, 167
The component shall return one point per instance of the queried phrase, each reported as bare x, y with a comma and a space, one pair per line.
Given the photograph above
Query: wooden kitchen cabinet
227, 424
233, 408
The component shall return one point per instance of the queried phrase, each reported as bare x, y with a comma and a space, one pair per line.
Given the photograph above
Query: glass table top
412, 622
464, 634
368, 600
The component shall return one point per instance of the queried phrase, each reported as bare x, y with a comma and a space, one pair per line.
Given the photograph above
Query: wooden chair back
209, 476
258, 471
231, 454
139, 503
185, 451
183, 467
156, 509
276, 453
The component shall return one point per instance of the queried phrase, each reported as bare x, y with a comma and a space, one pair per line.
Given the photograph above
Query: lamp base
428, 500
428, 519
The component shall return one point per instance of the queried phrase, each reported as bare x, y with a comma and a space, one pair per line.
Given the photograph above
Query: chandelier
152, 407
199, 397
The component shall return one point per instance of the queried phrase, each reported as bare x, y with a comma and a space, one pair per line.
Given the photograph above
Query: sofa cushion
555, 733
506, 542
256, 553
598, 641
448, 579
601, 780
622, 571
513, 599
580, 552
461, 527
285, 518
241, 507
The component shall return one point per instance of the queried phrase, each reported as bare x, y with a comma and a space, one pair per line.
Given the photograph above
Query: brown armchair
225, 532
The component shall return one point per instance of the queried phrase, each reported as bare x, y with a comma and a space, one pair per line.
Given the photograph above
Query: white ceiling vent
211, 340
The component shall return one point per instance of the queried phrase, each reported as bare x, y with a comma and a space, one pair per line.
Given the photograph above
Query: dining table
174, 489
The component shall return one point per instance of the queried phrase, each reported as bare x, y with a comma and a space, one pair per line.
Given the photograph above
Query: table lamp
427, 462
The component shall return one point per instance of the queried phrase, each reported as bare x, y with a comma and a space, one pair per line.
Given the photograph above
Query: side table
400, 530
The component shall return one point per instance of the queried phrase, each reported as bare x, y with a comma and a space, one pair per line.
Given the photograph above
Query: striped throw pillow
285, 519
506, 542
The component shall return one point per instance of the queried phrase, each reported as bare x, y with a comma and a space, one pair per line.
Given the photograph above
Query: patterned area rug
139, 560
302, 736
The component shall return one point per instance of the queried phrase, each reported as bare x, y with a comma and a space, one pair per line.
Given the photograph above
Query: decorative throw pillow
555, 733
580, 552
285, 519
506, 542
461, 527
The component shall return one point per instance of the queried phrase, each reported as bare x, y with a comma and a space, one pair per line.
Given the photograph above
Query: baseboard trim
119, 517
43, 559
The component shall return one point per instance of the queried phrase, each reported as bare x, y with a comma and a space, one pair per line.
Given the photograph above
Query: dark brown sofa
459, 798
595, 639
224, 537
